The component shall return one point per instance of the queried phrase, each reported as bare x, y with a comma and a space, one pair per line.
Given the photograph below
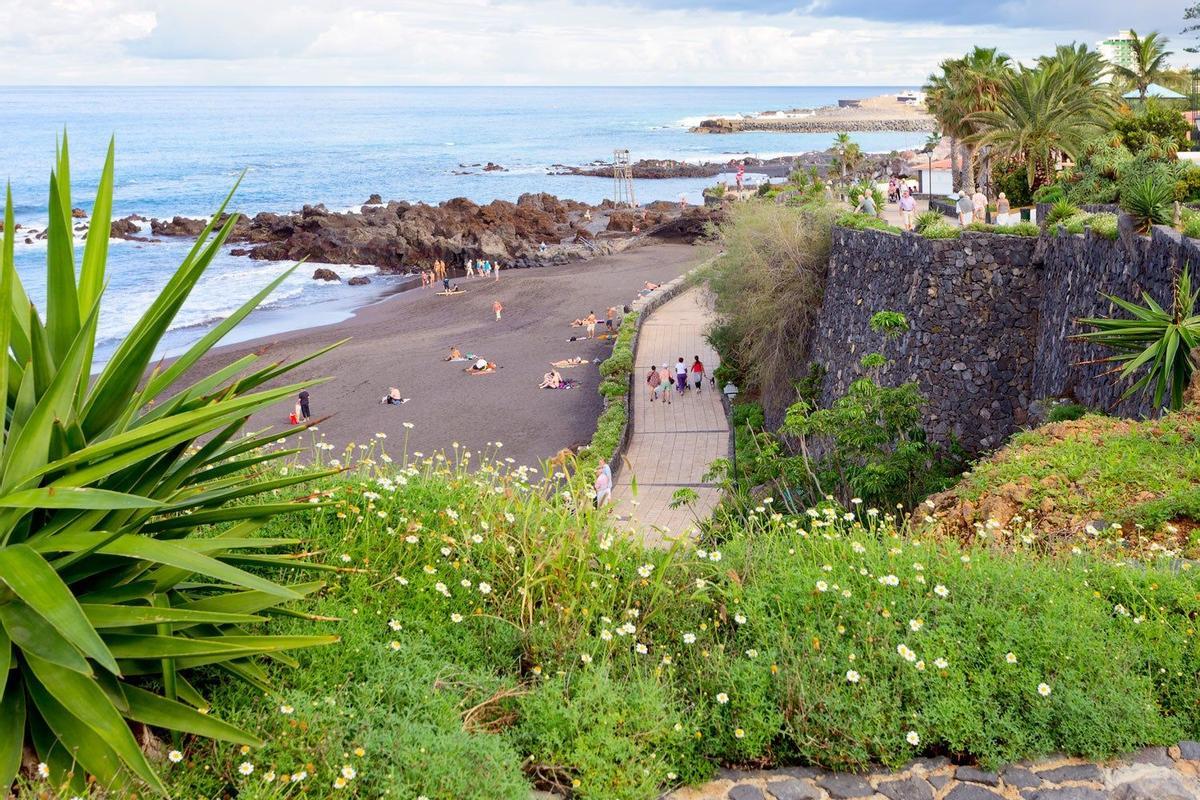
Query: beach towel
564, 364
473, 371
456, 291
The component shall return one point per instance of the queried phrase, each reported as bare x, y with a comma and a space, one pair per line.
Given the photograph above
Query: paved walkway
672, 444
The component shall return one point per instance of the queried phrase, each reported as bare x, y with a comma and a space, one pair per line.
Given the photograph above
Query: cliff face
991, 316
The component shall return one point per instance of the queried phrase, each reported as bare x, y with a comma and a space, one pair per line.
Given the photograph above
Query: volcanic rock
359, 280
373, 200
78, 213
325, 274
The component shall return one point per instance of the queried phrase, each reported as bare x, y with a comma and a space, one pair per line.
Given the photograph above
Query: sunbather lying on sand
551, 380
393, 398
480, 367
573, 361
578, 323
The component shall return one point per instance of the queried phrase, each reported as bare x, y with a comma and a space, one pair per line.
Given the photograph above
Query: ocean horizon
179, 150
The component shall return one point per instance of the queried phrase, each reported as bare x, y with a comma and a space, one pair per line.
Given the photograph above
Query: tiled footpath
1156, 773
672, 444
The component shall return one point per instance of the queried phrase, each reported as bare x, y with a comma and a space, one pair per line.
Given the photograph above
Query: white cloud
474, 42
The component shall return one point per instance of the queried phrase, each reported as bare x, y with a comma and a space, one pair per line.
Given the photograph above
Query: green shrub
1012, 178
1147, 202
1187, 187
1063, 412
981, 227
620, 363
1155, 128
611, 388
864, 222
114, 589
928, 218
1022, 229
610, 427
941, 230
1051, 193
1060, 212
1104, 225
748, 414
1191, 224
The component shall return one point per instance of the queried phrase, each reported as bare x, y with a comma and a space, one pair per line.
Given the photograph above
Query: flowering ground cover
495, 632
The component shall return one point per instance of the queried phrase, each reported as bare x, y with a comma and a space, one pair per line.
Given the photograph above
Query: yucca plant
1147, 202
1060, 212
1164, 343
127, 517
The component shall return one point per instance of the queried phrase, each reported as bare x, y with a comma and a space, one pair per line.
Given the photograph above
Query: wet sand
402, 340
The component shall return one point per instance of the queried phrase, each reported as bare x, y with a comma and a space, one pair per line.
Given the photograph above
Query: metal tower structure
623, 179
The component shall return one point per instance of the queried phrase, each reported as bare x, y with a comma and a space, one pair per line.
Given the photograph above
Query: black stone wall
990, 318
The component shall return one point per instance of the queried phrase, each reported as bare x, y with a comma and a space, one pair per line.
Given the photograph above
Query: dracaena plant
129, 546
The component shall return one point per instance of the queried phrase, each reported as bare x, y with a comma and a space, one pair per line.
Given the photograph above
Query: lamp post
1195, 132
730, 391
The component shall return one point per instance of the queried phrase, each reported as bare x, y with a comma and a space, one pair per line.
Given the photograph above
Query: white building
1117, 50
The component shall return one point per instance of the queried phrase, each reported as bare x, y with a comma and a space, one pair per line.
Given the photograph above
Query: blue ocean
180, 150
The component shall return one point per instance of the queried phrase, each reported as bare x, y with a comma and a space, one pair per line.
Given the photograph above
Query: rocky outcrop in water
326, 274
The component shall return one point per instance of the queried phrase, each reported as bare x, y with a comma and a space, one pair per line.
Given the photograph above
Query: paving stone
913, 788
1189, 750
793, 789
745, 791
938, 781
972, 791
1065, 793
1071, 772
1152, 755
843, 787
975, 775
800, 772
1168, 788
1020, 778
930, 764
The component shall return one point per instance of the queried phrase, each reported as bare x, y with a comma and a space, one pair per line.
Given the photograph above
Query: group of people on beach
483, 267
661, 381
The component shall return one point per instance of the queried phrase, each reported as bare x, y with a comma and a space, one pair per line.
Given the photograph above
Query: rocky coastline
401, 237
814, 125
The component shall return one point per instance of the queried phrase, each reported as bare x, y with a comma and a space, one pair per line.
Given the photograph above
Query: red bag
292, 418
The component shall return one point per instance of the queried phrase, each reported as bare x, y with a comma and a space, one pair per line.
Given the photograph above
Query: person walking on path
980, 202
305, 413
602, 485
965, 209
497, 307
866, 204
908, 207
681, 371
652, 382
698, 372
590, 321
1002, 209
666, 381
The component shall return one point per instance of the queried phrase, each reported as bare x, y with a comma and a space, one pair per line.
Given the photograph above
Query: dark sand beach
402, 340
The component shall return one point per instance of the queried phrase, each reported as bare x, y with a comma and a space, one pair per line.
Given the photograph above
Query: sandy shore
401, 341
880, 113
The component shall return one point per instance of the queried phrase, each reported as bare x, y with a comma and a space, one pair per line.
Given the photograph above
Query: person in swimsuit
665, 382
497, 307
590, 321
455, 354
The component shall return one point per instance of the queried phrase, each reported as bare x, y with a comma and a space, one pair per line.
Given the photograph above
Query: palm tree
1149, 62
966, 86
1079, 65
848, 155
1039, 118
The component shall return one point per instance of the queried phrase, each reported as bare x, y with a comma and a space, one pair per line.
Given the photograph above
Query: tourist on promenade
590, 322
908, 207
681, 372
965, 209
603, 485
698, 372
665, 381
652, 382
1002, 209
497, 307
980, 201
866, 204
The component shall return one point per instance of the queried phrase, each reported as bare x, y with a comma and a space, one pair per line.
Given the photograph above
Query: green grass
864, 222
1100, 468
941, 230
497, 630
1101, 224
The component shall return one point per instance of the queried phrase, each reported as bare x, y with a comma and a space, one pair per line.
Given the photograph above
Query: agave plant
126, 521
1165, 343
1147, 202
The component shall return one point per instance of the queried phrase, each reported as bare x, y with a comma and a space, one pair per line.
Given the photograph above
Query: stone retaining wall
991, 316
1156, 773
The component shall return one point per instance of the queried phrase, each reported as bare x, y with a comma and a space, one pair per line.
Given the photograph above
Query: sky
540, 42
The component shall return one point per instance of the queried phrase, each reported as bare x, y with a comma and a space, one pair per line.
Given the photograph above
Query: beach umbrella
1155, 90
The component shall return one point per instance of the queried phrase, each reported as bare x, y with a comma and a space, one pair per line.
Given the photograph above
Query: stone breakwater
991, 318
816, 124
1155, 773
